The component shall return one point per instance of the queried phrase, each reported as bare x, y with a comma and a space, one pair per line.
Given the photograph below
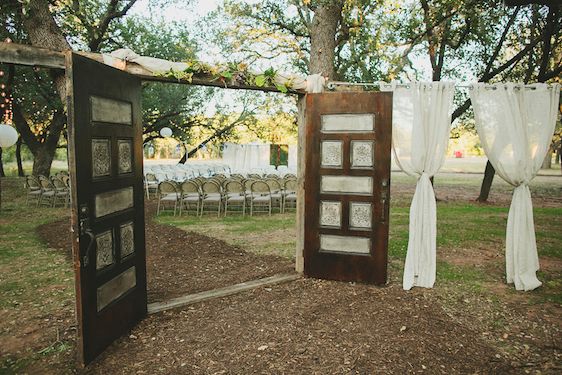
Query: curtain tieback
424, 176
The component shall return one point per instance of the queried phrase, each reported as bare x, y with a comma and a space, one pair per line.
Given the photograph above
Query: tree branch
548, 32
501, 40
110, 14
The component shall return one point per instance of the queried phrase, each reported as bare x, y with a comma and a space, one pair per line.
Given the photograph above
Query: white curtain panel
264, 152
292, 157
421, 121
229, 154
515, 125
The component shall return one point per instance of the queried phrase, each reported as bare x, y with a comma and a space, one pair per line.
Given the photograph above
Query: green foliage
391, 39
231, 74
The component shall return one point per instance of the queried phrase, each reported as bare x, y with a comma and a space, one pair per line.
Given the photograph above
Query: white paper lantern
166, 132
8, 135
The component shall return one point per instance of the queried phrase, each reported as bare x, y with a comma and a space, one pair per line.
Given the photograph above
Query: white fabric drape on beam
313, 83
515, 126
421, 119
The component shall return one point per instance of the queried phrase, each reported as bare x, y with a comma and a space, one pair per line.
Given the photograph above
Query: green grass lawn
460, 225
36, 283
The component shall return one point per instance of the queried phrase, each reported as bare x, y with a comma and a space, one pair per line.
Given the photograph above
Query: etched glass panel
127, 239
101, 158
110, 110
345, 244
104, 249
331, 154
116, 287
361, 154
330, 214
348, 123
114, 201
360, 215
125, 156
346, 185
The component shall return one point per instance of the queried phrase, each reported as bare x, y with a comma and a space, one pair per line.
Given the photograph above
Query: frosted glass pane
360, 215
101, 157
347, 123
331, 154
361, 154
346, 185
104, 249
345, 244
125, 156
116, 287
127, 239
110, 110
114, 201
330, 214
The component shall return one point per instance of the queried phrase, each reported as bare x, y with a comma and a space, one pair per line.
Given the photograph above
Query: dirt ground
179, 263
305, 327
309, 326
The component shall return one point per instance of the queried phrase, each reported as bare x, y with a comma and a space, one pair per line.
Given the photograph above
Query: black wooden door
347, 185
105, 161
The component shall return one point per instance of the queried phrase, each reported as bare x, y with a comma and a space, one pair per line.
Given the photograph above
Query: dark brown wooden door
105, 161
347, 186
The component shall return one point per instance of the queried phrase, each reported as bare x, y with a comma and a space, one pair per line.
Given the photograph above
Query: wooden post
301, 163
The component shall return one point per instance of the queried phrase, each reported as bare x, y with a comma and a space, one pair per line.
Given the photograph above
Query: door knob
85, 231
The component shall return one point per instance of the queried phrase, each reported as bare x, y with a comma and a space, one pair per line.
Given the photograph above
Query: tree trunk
489, 173
21, 172
558, 156
2, 174
43, 158
44, 32
327, 17
43, 152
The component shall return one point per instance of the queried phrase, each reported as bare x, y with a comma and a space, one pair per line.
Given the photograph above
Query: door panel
347, 186
105, 161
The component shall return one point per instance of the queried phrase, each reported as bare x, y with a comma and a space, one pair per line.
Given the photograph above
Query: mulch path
305, 327
180, 263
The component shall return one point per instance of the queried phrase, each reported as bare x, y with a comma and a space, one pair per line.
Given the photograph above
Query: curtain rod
332, 85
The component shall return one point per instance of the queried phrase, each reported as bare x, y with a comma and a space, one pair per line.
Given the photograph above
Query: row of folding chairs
43, 190
180, 172
152, 180
227, 195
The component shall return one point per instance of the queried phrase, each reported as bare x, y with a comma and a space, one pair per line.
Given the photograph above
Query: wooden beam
218, 293
21, 54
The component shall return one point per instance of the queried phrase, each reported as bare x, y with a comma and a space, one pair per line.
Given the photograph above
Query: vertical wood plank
301, 165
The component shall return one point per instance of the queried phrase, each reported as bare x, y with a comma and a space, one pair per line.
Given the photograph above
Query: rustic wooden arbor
343, 196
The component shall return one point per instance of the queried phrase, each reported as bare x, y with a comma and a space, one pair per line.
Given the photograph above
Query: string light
8, 113
7, 102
